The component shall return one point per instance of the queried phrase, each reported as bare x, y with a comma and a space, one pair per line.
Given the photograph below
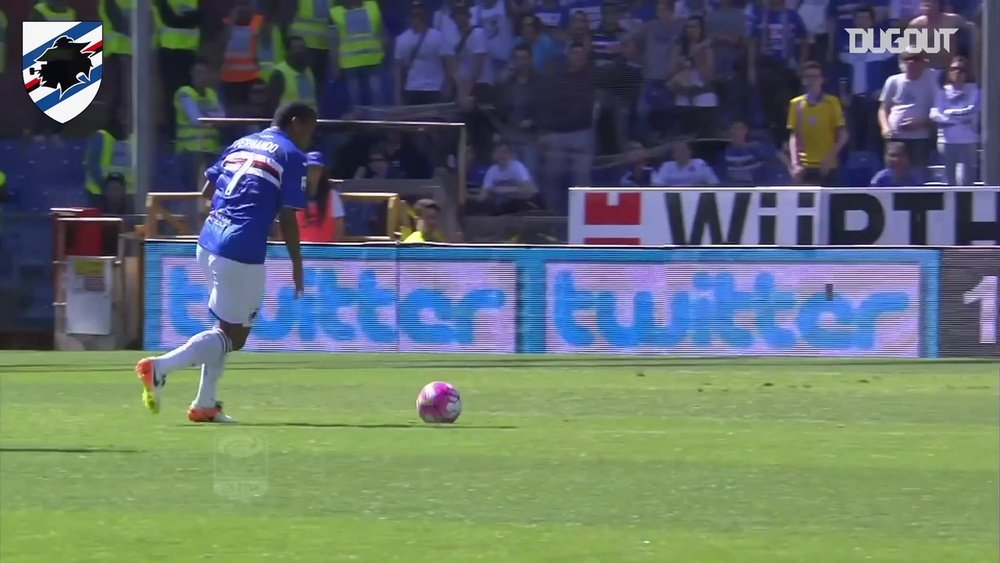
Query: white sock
211, 373
208, 346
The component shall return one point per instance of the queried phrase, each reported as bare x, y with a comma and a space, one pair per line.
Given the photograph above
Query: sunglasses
957, 68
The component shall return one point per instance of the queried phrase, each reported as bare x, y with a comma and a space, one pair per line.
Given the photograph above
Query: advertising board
969, 295
715, 302
792, 216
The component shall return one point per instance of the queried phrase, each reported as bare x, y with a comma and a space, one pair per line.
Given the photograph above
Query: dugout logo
62, 65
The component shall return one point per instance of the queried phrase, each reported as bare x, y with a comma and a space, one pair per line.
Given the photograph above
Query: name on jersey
256, 145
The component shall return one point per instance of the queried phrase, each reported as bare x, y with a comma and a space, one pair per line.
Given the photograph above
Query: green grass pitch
555, 459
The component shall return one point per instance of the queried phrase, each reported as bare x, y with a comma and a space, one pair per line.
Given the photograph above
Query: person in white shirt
683, 170
492, 16
471, 52
508, 184
956, 111
425, 63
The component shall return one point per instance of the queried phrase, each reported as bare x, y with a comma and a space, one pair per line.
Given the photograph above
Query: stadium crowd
555, 92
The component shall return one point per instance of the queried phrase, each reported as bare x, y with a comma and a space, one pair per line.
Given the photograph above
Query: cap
315, 158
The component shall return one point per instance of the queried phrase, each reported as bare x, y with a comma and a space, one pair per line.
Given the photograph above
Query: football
439, 401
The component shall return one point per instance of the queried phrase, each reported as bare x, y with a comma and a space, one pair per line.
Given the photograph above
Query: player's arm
208, 190
293, 198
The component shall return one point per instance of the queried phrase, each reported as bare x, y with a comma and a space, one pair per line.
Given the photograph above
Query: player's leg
235, 304
208, 346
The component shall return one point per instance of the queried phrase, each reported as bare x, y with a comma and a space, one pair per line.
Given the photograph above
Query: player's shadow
370, 426
5, 450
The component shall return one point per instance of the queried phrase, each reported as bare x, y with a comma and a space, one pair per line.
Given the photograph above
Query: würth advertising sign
785, 216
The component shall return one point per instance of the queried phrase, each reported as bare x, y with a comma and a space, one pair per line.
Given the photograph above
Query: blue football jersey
254, 178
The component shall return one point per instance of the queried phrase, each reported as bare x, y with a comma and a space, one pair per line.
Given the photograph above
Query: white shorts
237, 288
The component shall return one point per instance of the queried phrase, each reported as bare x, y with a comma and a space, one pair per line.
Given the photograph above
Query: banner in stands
834, 302
694, 216
969, 295
785, 216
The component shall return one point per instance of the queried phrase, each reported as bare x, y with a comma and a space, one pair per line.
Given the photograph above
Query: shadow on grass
368, 426
4, 450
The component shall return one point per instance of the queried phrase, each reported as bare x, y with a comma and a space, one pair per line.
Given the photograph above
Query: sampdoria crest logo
62, 65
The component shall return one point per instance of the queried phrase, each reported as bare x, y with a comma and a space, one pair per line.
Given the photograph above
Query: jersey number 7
231, 186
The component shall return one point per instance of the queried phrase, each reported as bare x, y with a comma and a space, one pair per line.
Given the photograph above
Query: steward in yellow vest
358, 31
106, 155
310, 23
192, 103
293, 80
53, 11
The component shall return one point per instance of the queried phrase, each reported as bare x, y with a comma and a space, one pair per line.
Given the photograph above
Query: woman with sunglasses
956, 111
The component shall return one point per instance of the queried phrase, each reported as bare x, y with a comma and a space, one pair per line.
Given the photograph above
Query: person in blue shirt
897, 172
257, 179
779, 45
746, 162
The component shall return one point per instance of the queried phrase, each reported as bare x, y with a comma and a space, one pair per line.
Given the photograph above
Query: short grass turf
567, 459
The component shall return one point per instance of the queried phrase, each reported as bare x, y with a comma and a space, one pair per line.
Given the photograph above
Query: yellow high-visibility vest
51, 15
311, 23
3, 41
358, 31
269, 55
116, 42
116, 157
299, 86
178, 38
192, 136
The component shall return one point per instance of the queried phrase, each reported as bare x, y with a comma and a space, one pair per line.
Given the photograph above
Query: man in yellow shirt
428, 213
817, 131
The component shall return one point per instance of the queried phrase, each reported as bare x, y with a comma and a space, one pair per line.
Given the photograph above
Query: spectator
443, 22
637, 12
591, 9
428, 213
407, 156
728, 30
178, 41
240, 68
424, 63
196, 143
746, 162
813, 14
779, 46
906, 102
293, 80
897, 172
492, 16
864, 75
358, 49
580, 32
565, 114
619, 83
543, 48
310, 21
840, 16
378, 167
517, 106
607, 38
956, 111
683, 170
640, 173
115, 199
817, 131
693, 80
508, 186
654, 42
471, 53
323, 218
933, 19
257, 104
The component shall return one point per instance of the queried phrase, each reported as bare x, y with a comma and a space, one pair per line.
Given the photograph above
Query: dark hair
810, 65
285, 114
685, 42
575, 45
970, 77
896, 145
865, 9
